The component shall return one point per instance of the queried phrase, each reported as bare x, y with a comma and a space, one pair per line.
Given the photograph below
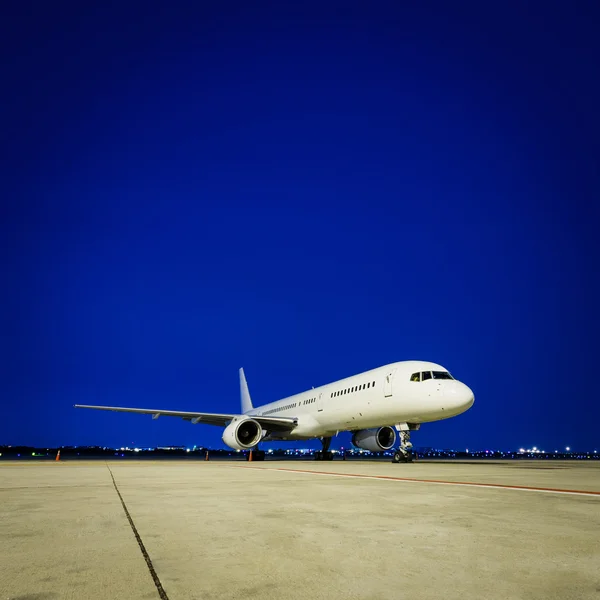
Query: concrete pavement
248, 530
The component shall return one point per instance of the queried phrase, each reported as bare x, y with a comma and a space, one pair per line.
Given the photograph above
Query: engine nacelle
242, 434
375, 440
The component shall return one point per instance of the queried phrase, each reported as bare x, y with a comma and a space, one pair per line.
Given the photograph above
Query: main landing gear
404, 453
324, 454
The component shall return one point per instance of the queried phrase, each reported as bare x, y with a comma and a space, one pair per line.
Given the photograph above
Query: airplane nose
469, 398
460, 396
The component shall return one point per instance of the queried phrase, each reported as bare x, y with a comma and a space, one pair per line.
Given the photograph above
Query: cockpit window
425, 375
415, 377
442, 375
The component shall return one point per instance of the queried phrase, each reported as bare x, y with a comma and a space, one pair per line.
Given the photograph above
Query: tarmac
297, 529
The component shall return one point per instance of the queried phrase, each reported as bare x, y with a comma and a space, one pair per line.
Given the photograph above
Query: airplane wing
268, 423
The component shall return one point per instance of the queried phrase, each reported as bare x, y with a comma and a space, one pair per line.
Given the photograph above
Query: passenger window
369, 384
373, 384
426, 375
415, 377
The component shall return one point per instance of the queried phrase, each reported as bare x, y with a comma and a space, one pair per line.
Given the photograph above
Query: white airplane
374, 405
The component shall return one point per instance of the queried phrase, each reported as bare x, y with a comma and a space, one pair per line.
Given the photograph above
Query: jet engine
242, 434
375, 440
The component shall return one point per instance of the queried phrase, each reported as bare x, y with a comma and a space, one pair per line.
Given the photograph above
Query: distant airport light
567, 448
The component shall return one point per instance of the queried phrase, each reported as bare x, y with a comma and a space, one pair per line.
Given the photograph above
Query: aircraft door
320, 403
387, 384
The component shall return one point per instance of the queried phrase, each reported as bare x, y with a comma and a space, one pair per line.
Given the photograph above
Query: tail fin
245, 394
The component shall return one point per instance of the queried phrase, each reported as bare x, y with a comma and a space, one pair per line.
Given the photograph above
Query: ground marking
519, 488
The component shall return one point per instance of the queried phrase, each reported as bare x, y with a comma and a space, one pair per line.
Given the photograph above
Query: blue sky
306, 191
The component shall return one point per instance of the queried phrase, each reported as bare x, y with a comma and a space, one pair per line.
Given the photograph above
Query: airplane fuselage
382, 396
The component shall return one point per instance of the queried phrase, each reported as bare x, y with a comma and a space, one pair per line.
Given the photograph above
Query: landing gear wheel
402, 457
398, 457
318, 455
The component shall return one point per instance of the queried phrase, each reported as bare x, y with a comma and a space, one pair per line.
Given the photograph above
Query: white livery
374, 405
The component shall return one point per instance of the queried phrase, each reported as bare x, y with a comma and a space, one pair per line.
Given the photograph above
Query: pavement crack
155, 578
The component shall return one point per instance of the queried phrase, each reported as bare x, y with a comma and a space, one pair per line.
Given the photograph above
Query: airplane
374, 405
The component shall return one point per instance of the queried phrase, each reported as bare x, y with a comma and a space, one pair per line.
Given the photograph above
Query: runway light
567, 448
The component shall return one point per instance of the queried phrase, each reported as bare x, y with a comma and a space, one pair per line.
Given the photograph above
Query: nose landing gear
404, 453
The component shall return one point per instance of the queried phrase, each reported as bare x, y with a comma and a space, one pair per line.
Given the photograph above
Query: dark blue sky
308, 192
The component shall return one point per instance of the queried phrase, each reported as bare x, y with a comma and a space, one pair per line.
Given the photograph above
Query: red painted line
502, 486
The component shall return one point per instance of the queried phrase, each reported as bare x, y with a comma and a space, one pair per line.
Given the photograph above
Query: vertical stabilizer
244, 393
